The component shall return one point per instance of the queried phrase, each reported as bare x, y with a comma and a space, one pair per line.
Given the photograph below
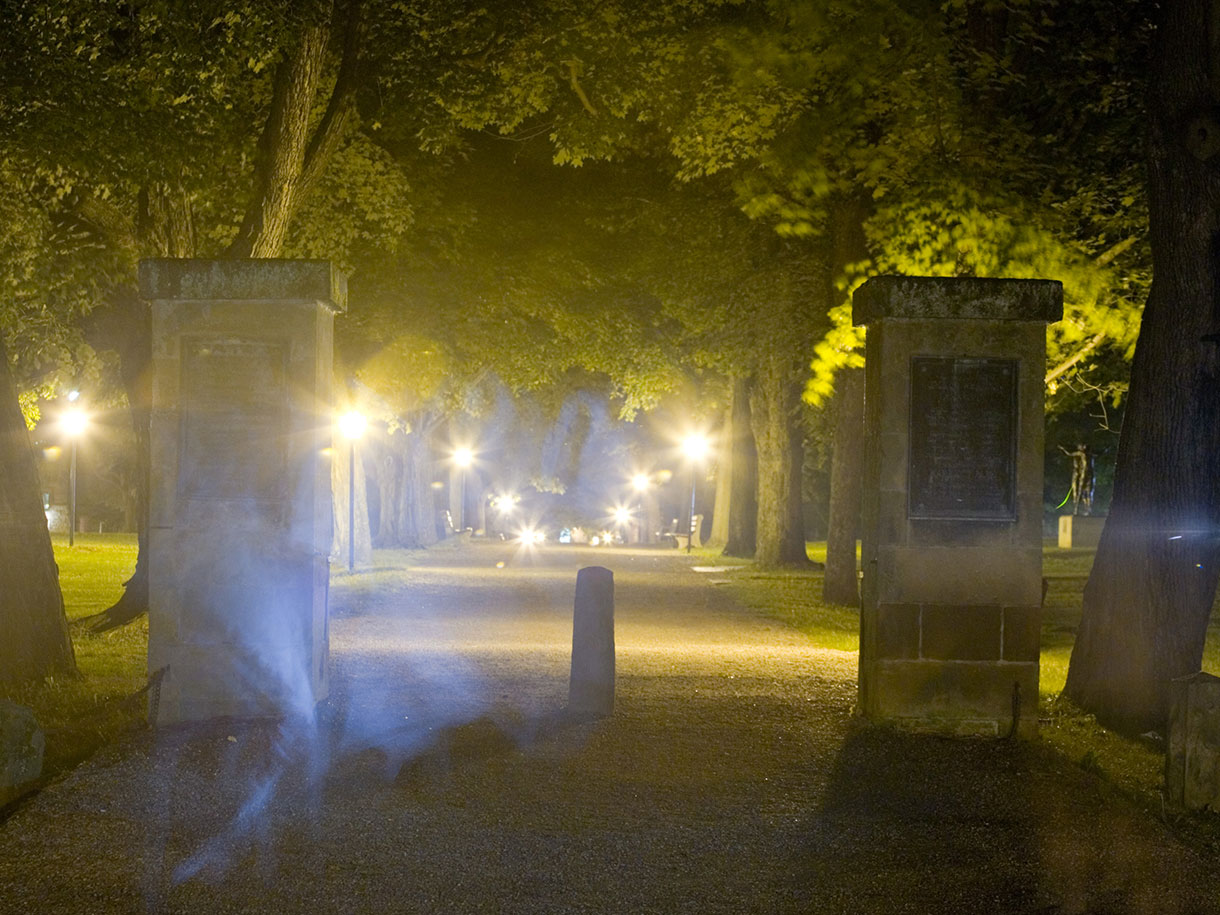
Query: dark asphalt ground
444, 778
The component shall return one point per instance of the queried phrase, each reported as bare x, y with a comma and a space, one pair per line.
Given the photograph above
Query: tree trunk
389, 485
417, 512
1150, 593
281, 150
849, 247
722, 505
774, 402
743, 500
840, 586
125, 326
34, 641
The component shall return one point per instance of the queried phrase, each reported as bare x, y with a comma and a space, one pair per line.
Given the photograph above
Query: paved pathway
731, 779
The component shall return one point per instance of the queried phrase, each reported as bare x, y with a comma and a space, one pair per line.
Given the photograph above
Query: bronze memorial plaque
234, 419
963, 439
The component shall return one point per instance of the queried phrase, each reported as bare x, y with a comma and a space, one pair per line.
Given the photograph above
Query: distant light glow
622, 514
640, 482
463, 457
73, 395
352, 425
531, 536
73, 422
505, 502
696, 446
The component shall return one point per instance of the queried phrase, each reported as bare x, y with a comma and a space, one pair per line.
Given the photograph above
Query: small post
591, 688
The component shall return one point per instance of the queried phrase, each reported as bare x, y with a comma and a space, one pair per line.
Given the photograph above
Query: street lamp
641, 483
72, 423
462, 458
695, 446
351, 426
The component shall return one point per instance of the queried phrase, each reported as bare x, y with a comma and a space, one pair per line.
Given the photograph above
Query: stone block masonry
952, 533
240, 494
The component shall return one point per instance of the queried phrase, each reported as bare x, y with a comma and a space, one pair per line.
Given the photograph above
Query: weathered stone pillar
240, 498
591, 686
952, 514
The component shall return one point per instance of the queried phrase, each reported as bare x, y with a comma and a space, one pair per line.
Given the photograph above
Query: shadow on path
920, 824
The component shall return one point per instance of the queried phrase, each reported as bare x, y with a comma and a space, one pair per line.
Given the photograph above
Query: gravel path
444, 778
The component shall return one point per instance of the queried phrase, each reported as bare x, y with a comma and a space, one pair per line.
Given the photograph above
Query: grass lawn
83, 713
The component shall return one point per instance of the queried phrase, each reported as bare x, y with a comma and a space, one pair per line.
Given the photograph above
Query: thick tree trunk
774, 404
282, 148
417, 512
291, 159
34, 640
721, 507
389, 477
1149, 596
840, 586
743, 500
125, 326
848, 247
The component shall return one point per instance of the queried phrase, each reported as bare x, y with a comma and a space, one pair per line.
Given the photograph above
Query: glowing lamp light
696, 446
463, 457
73, 422
352, 425
640, 482
530, 536
622, 514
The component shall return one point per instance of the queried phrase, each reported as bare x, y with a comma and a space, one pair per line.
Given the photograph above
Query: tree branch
573, 74
108, 221
335, 123
1107, 256
1090, 345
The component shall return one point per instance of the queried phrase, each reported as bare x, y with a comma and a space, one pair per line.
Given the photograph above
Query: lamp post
695, 446
463, 458
621, 516
351, 425
640, 482
72, 423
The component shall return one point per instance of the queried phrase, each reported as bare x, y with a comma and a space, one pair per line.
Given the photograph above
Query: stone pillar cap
959, 297
278, 280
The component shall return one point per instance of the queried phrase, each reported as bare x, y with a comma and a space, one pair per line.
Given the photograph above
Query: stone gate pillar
240, 510
952, 513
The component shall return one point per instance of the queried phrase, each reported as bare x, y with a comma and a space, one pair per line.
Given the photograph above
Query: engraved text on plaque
234, 407
963, 439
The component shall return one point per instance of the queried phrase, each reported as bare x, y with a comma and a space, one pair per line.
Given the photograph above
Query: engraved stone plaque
234, 408
963, 439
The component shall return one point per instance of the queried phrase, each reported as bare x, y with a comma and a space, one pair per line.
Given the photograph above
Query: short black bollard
591, 688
